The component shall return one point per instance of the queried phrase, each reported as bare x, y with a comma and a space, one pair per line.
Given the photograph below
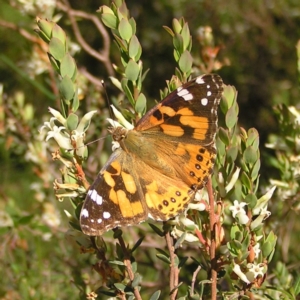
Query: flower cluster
68, 136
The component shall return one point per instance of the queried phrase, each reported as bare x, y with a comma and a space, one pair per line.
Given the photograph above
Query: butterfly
160, 164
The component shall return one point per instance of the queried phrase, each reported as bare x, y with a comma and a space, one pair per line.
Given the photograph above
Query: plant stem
212, 222
128, 266
174, 271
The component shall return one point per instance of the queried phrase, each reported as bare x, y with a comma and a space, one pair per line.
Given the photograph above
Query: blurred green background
257, 41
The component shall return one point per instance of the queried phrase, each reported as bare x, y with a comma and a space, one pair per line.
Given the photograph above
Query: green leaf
75, 102
109, 20
54, 63
132, 70
134, 266
169, 30
232, 153
185, 62
246, 181
176, 55
116, 262
123, 47
68, 67
58, 33
233, 231
223, 135
66, 88
135, 49
186, 36
250, 155
221, 147
155, 295
231, 117
183, 261
253, 138
137, 244
46, 29
239, 236
176, 26
141, 104
163, 258
57, 49
156, 229
125, 82
266, 249
255, 169
161, 251
178, 43
229, 95
133, 25
251, 200
72, 121
24, 220
120, 286
296, 286
137, 280
125, 30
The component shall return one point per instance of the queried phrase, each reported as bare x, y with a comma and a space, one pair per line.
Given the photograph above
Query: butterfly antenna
107, 100
89, 143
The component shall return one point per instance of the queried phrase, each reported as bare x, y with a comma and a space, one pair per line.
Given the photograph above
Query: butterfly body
161, 162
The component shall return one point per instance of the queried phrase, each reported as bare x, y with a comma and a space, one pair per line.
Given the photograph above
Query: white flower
188, 237
201, 206
57, 115
62, 140
262, 202
121, 119
264, 214
85, 121
187, 223
256, 249
238, 212
233, 180
242, 218
237, 207
237, 270
78, 142
254, 271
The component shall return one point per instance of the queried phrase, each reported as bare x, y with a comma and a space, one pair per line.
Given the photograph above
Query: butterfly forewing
162, 162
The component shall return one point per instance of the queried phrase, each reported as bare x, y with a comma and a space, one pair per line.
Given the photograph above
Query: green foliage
40, 260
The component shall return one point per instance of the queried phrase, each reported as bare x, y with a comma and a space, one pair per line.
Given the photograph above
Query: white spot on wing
85, 213
199, 80
150, 216
208, 93
95, 196
106, 215
204, 101
185, 94
99, 221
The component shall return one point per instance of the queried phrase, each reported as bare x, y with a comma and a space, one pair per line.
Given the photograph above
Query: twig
212, 221
103, 55
194, 279
174, 271
128, 266
94, 80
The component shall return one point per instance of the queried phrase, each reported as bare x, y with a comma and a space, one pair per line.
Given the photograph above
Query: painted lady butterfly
161, 162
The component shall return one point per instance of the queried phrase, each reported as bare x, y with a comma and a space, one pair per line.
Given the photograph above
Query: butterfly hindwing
113, 199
